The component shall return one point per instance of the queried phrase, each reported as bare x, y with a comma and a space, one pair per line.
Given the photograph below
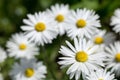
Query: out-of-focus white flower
115, 21
113, 58
20, 47
1, 77
28, 70
103, 38
59, 13
101, 75
3, 55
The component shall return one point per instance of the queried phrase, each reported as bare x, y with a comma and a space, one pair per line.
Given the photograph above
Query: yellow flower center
81, 23
81, 56
99, 40
117, 57
29, 72
22, 46
40, 27
100, 79
59, 18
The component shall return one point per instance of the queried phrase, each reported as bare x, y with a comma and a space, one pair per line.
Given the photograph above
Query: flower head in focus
82, 58
82, 23
39, 28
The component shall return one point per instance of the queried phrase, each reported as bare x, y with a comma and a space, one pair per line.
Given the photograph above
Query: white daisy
81, 58
28, 70
20, 47
3, 55
103, 38
115, 21
1, 77
101, 75
82, 22
39, 28
113, 58
59, 13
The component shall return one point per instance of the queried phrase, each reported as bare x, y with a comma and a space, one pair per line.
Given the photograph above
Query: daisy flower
39, 28
28, 70
82, 58
59, 14
82, 22
115, 21
113, 58
1, 77
101, 75
3, 55
20, 47
103, 38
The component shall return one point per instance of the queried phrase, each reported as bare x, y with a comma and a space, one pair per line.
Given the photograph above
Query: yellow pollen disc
59, 18
81, 56
22, 46
81, 23
117, 57
99, 40
40, 27
29, 72
100, 79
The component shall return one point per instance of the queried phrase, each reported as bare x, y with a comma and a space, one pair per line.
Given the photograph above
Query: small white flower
1, 77
28, 70
82, 58
39, 28
101, 75
115, 21
3, 55
59, 14
82, 22
20, 47
103, 38
113, 58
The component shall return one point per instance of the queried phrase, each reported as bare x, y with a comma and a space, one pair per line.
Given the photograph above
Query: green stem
48, 62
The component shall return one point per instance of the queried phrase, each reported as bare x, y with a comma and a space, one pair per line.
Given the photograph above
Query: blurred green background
12, 12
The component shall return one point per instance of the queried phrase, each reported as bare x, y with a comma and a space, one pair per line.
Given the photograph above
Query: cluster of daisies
92, 53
